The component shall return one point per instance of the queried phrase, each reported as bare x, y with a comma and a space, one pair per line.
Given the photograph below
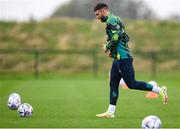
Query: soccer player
122, 66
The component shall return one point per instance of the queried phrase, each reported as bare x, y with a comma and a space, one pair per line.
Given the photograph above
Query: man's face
98, 14
101, 13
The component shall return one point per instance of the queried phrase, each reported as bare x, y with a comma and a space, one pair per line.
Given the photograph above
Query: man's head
101, 10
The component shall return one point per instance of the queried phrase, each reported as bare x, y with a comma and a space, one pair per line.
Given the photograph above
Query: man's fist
108, 53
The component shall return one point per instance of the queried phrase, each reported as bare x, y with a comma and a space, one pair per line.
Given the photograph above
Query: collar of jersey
108, 17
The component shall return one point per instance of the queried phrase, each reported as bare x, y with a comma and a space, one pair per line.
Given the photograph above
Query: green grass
73, 102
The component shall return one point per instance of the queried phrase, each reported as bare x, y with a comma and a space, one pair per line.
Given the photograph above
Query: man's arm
113, 30
116, 31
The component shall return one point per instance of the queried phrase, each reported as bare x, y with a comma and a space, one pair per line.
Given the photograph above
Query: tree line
123, 8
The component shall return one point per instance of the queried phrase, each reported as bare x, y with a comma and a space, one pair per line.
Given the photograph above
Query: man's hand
108, 52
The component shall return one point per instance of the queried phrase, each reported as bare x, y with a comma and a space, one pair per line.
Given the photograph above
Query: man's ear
102, 11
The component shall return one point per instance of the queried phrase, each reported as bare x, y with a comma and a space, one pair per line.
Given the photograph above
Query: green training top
117, 40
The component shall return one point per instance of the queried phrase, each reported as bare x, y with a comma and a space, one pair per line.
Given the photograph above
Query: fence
39, 52
155, 57
159, 56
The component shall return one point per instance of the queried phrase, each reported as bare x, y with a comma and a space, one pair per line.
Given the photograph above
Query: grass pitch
74, 101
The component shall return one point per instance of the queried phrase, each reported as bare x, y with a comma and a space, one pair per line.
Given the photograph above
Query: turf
73, 101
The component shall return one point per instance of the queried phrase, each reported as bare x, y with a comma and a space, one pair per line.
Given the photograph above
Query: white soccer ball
14, 101
151, 122
25, 110
154, 83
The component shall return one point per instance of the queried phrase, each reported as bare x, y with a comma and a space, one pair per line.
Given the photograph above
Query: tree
123, 8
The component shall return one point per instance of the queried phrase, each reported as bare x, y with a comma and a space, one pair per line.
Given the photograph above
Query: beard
104, 18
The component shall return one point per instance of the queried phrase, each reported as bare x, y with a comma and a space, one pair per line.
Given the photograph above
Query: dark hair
100, 6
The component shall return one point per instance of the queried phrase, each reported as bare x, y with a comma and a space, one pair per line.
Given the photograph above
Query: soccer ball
25, 110
14, 101
151, 122
154, 83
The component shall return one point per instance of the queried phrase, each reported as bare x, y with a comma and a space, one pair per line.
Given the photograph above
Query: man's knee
114, 83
